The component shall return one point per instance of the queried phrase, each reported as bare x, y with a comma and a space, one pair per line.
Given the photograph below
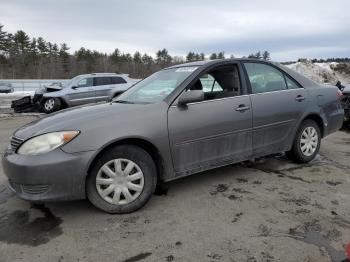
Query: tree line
24, 57
332, 59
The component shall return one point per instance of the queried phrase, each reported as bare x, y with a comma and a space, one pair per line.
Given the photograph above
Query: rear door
214, 132
103, 86
82, 92
278, 103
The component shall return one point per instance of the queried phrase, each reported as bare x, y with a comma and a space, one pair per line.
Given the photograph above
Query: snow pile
321, 72
18, 94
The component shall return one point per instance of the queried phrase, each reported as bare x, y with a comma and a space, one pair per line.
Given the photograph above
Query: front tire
307, 142
51, 104
122, 180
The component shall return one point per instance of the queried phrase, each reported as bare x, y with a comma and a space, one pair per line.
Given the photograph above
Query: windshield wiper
123, 102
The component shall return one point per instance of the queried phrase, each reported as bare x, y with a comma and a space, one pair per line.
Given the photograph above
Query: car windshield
156, 87
70, 82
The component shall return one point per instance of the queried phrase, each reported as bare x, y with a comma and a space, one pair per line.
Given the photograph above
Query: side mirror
191, 96
74, 87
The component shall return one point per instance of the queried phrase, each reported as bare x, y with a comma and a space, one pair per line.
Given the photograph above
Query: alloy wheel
49, 104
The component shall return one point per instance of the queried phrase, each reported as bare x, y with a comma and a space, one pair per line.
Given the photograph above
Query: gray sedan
179, 121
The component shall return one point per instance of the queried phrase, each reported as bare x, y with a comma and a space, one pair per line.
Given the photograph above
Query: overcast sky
288, 29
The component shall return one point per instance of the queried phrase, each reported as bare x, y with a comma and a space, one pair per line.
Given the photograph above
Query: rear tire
51, 104
111, 191
307, 142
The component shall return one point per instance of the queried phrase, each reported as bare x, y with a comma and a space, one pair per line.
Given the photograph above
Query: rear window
100, 81
118, 80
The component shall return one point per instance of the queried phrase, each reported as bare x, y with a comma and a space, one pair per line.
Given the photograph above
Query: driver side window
209, 84
219, 83
85, 82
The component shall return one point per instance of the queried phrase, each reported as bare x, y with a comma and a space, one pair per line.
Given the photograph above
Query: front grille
29, 189
15, 142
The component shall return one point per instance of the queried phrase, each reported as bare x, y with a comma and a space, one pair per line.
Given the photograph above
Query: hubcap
120, 181
309, 141
49, 104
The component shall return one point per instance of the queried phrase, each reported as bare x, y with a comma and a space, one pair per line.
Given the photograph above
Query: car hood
77, 118
48, 89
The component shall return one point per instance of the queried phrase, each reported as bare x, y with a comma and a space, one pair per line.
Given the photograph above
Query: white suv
83, 89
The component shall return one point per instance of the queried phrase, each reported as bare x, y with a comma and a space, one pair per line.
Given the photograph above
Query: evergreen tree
63, 56
258, 55
4, 44
213, 56
190, 57
137, 57
163, 58
22, 42
266, 55
221, 55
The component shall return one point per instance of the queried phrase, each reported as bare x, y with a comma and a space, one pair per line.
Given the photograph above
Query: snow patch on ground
18, 94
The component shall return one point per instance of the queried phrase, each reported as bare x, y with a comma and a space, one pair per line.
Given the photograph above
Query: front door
82, 92
278, 103
214, 132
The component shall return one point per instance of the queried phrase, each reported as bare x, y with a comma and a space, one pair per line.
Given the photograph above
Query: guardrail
30, 84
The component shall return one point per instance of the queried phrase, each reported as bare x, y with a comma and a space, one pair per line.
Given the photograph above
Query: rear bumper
54, 176
335, 122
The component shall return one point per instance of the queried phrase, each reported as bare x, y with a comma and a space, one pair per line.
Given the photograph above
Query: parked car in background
179, 121
6, 88
346, 104
82, 89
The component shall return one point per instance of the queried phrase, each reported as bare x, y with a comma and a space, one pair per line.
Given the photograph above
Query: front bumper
54, 176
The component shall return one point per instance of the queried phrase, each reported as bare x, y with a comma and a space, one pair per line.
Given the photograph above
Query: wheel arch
317, 119
63, 101
135, 141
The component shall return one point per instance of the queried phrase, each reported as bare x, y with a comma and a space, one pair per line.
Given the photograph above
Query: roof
304, 81
104, 74
215, 61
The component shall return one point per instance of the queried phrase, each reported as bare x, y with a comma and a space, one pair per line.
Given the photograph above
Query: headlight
46, 143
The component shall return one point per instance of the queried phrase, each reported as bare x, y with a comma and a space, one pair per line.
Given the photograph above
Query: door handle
242, 108
300, 98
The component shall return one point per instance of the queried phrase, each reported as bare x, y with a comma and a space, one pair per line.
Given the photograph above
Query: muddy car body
179, 121
82, 89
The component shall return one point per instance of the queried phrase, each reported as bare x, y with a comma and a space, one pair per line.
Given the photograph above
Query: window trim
212, 100
291, 79
125, 82
86, 78
243, 85
249, 87
95, 78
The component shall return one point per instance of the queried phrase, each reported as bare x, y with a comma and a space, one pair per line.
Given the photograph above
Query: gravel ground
271, 210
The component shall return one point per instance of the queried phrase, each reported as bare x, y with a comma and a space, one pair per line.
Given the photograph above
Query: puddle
315, 238
32, 227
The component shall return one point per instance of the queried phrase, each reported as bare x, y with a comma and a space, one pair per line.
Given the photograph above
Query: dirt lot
272, 210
